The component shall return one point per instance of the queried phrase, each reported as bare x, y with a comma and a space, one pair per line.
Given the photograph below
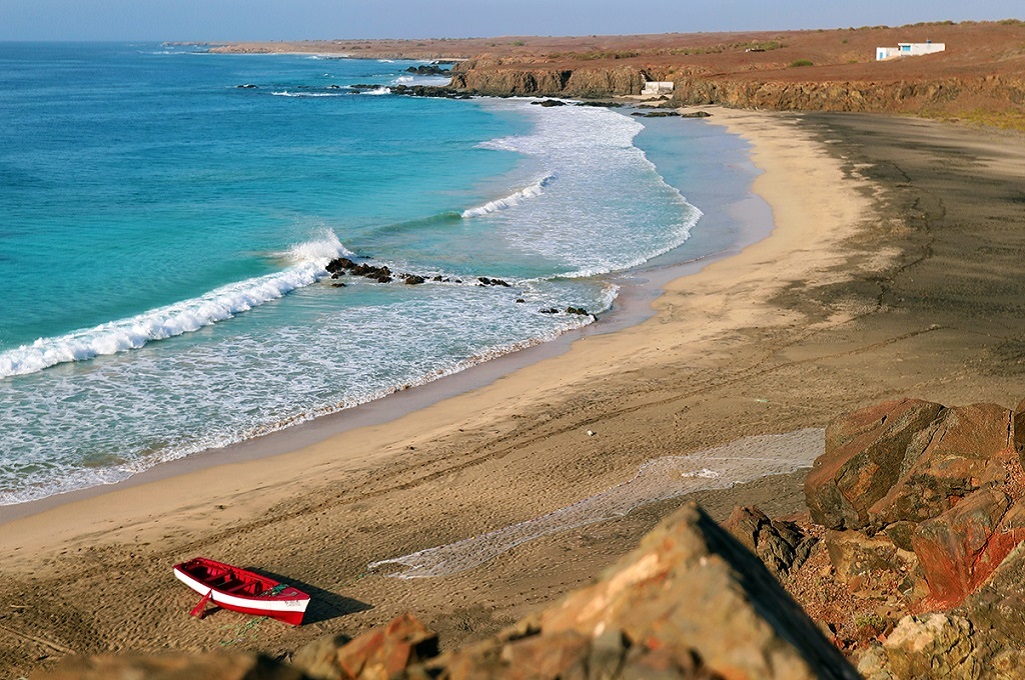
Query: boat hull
243, 591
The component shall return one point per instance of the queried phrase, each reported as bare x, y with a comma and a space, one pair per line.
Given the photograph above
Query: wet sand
894, 269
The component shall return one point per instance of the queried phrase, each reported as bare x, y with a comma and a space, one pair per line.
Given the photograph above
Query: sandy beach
893, 269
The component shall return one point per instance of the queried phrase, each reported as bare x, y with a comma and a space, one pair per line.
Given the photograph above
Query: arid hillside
978, 77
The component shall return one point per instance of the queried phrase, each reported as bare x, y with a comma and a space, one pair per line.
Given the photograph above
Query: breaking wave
176, 319
535, 189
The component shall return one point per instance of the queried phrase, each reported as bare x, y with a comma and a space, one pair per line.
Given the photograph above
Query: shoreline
313, 437
638, 289
869, 288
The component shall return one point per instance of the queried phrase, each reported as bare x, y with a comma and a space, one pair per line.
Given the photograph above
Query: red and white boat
241, 590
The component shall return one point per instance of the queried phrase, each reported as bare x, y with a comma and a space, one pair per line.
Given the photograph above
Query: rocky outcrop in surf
489, 77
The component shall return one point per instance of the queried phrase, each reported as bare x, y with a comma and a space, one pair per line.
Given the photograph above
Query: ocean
167, 216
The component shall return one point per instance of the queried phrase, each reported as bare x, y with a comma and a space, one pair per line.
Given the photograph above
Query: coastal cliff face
978, 76
952, 96
483, 78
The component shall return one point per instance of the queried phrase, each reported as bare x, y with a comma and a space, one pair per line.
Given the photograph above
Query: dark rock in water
414, 280
657, 114
492, 282
427, 91
696, 114
334, 87
549, 102
364, 86
340, 264
520, 301
550, 310
605, 105
247, 86
428, 70
338, 285
438, 278
577, 310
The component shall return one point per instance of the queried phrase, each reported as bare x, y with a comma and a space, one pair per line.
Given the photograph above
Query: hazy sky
296, 19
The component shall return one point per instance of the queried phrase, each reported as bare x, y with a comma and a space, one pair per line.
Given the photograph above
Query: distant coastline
976, 80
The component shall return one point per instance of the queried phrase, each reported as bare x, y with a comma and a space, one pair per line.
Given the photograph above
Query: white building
909, 50
658, 87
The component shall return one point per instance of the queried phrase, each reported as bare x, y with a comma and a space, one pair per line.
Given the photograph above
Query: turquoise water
165, 234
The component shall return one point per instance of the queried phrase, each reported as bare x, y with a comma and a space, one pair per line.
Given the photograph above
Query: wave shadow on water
660, 479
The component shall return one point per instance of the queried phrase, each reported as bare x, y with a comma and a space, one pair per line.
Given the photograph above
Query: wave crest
176, 319
535, 189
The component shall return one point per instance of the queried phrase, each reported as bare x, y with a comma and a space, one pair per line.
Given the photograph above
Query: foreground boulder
379, 653
689, 602
911, 476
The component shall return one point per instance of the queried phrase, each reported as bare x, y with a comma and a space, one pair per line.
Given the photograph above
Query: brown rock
692, 587
204, 667
932, 647
380, 653
954, 549
957, 452
997, 607
780, 545
852, 553
1019, 431
865, 453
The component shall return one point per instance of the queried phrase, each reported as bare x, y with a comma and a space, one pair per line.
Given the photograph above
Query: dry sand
892, 270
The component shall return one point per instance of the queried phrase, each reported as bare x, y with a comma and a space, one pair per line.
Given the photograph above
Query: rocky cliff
952, 96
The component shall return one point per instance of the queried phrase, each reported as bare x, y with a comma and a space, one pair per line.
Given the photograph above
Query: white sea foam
613, 210
161, 406
535, 189
741, 461
309, 260
303, 95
